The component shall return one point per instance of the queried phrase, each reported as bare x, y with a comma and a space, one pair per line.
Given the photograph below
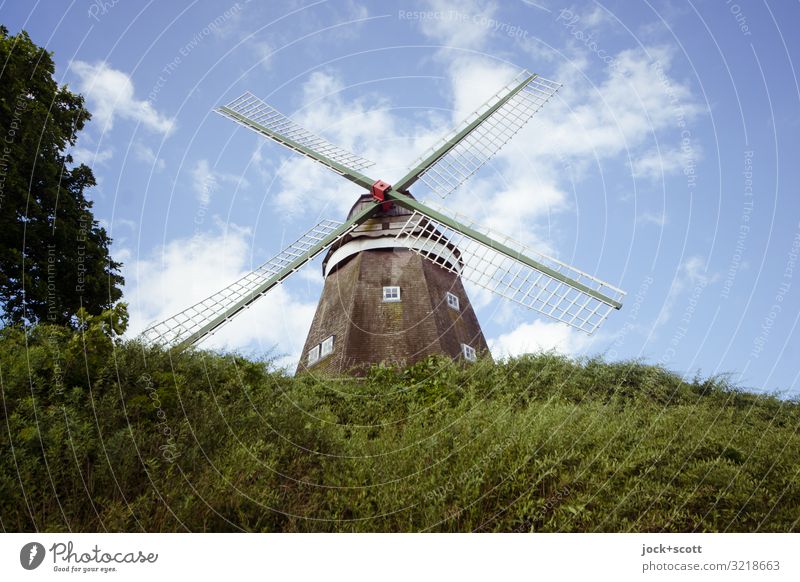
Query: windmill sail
511, 270
251, 112
199, 320
461, 153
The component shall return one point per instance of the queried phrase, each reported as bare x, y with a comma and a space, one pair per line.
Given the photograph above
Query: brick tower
384, 303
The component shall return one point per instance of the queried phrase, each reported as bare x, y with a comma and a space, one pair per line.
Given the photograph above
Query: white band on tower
429, 247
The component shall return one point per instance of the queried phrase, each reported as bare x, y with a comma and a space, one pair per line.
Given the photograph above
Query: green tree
54, 257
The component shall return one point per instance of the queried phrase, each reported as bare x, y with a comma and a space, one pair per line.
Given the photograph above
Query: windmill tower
385, 303
394, 268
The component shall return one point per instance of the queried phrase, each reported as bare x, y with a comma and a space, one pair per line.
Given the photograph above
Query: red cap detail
378, 190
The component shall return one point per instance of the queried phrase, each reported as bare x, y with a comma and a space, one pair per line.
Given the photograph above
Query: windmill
394, 267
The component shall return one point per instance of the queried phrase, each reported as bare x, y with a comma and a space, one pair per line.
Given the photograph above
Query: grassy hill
96, 436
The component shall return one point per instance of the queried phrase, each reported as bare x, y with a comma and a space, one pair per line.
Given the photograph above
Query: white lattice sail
583, 302
186, 324
255, 114
496, 263
483, 142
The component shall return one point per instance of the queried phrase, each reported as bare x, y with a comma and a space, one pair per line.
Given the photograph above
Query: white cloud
206, 181
360, 125
123, 255
299, 177
263, 51
540, 336
355, 14
124, 222
692, 274
148, 156
655, 165
111, 94
312, 276
621, 111
203, 182
597, 17
91, 157
459, 23
657, 218
579, 18
473, 80
589, 123
189, 270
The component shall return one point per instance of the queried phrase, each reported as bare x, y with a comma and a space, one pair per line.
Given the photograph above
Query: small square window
469, 353
452, 300
326, 347
313, 355
391, 293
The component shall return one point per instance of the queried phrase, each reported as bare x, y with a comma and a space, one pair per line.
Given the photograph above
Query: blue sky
667, 164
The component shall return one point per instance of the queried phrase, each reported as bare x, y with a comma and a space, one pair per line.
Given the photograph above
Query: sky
667, 164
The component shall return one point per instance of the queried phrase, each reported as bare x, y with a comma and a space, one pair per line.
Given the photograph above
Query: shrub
101, 434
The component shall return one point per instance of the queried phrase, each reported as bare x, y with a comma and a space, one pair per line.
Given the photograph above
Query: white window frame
326, 347
469, 353
389, 294
452, 301
313, 355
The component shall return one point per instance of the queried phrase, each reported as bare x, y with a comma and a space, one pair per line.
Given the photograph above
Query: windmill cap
365, 200
381, 232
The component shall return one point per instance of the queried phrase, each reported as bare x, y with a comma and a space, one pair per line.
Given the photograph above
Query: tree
54, 256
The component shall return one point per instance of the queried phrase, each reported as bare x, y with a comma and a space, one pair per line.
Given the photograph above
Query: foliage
54, 257
106, 435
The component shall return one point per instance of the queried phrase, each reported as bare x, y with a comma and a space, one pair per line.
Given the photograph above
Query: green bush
100, 434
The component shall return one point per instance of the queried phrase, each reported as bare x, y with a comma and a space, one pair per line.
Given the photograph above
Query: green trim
415, 173
349, 173
408, 202
277, 278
